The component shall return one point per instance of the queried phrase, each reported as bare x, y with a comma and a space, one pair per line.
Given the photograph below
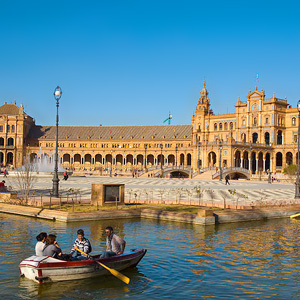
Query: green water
238, 261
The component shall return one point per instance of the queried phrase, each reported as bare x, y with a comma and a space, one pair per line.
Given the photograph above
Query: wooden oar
295, 215
112, 271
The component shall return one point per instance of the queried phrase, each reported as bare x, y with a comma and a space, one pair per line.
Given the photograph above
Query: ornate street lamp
198, 162
57, 95
269, 177
161, 162
220, 160
250, 167
297, 195
176, 149
110, 171
146, 158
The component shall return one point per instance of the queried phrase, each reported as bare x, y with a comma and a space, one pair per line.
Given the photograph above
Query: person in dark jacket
52, 248
227, 180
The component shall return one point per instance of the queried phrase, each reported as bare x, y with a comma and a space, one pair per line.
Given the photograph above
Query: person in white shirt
40, 245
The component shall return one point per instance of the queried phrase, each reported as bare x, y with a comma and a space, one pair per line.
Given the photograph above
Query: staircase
207, 175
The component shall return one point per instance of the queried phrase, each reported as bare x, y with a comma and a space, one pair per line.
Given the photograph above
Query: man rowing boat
115, 245
82, 244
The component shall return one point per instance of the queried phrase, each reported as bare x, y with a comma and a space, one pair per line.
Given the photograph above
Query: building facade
261, 135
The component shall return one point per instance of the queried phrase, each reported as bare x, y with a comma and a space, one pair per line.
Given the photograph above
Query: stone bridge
179, 171
234, 173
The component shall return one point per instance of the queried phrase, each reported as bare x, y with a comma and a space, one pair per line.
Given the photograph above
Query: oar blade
122, 277
114, 272
295, 215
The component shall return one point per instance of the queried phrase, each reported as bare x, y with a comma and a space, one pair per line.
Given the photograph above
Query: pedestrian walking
227, 180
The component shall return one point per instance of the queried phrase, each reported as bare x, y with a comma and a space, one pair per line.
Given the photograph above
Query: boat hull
48, 269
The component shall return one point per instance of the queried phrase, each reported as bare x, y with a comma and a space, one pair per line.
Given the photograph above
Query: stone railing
226, 170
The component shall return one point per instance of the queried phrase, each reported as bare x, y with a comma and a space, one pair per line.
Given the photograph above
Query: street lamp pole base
297, 196
55, 181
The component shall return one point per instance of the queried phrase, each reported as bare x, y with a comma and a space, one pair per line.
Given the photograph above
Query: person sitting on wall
115, 245
82, 244
3, 188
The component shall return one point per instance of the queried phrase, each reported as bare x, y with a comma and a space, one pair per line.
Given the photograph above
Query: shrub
290, 170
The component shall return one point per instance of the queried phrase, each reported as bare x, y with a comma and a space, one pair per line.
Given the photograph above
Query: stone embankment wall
203, 217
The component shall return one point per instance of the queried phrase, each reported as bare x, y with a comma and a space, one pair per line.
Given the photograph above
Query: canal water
254, 260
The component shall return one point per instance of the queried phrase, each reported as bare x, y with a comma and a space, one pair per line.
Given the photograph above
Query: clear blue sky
131, 62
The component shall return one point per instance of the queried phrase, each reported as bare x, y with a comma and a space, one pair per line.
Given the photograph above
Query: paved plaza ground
175, 190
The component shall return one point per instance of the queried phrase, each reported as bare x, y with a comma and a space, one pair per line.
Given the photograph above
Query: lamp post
110, 171
198, 162
146, 158
176, 149
269, 177
57, 94
250, 167
297, 195
161, 162
220, 160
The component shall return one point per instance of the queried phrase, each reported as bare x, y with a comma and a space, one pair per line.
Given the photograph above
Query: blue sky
131, 62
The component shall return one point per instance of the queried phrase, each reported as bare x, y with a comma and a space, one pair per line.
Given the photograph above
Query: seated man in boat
82, 244
115, 245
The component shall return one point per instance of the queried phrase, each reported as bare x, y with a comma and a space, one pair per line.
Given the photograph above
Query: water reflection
93, 288
237, 261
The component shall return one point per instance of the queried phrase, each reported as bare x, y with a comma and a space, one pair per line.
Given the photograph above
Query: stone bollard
205, 217
206, 212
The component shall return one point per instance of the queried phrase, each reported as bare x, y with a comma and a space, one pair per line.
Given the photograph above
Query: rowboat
48, 269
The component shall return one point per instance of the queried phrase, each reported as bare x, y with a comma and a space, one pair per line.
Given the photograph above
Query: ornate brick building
260, 135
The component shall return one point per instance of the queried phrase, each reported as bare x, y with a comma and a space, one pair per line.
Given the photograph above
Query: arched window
289, 158
267, 120
66, 157
254, 138
10, 158
231, 125
255, 121
10, 142
279, 160
226, 126
267, 138
77, 158
220, 126
294, 121
244, 122
279, 137
215, 127
98, 158
189, 159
